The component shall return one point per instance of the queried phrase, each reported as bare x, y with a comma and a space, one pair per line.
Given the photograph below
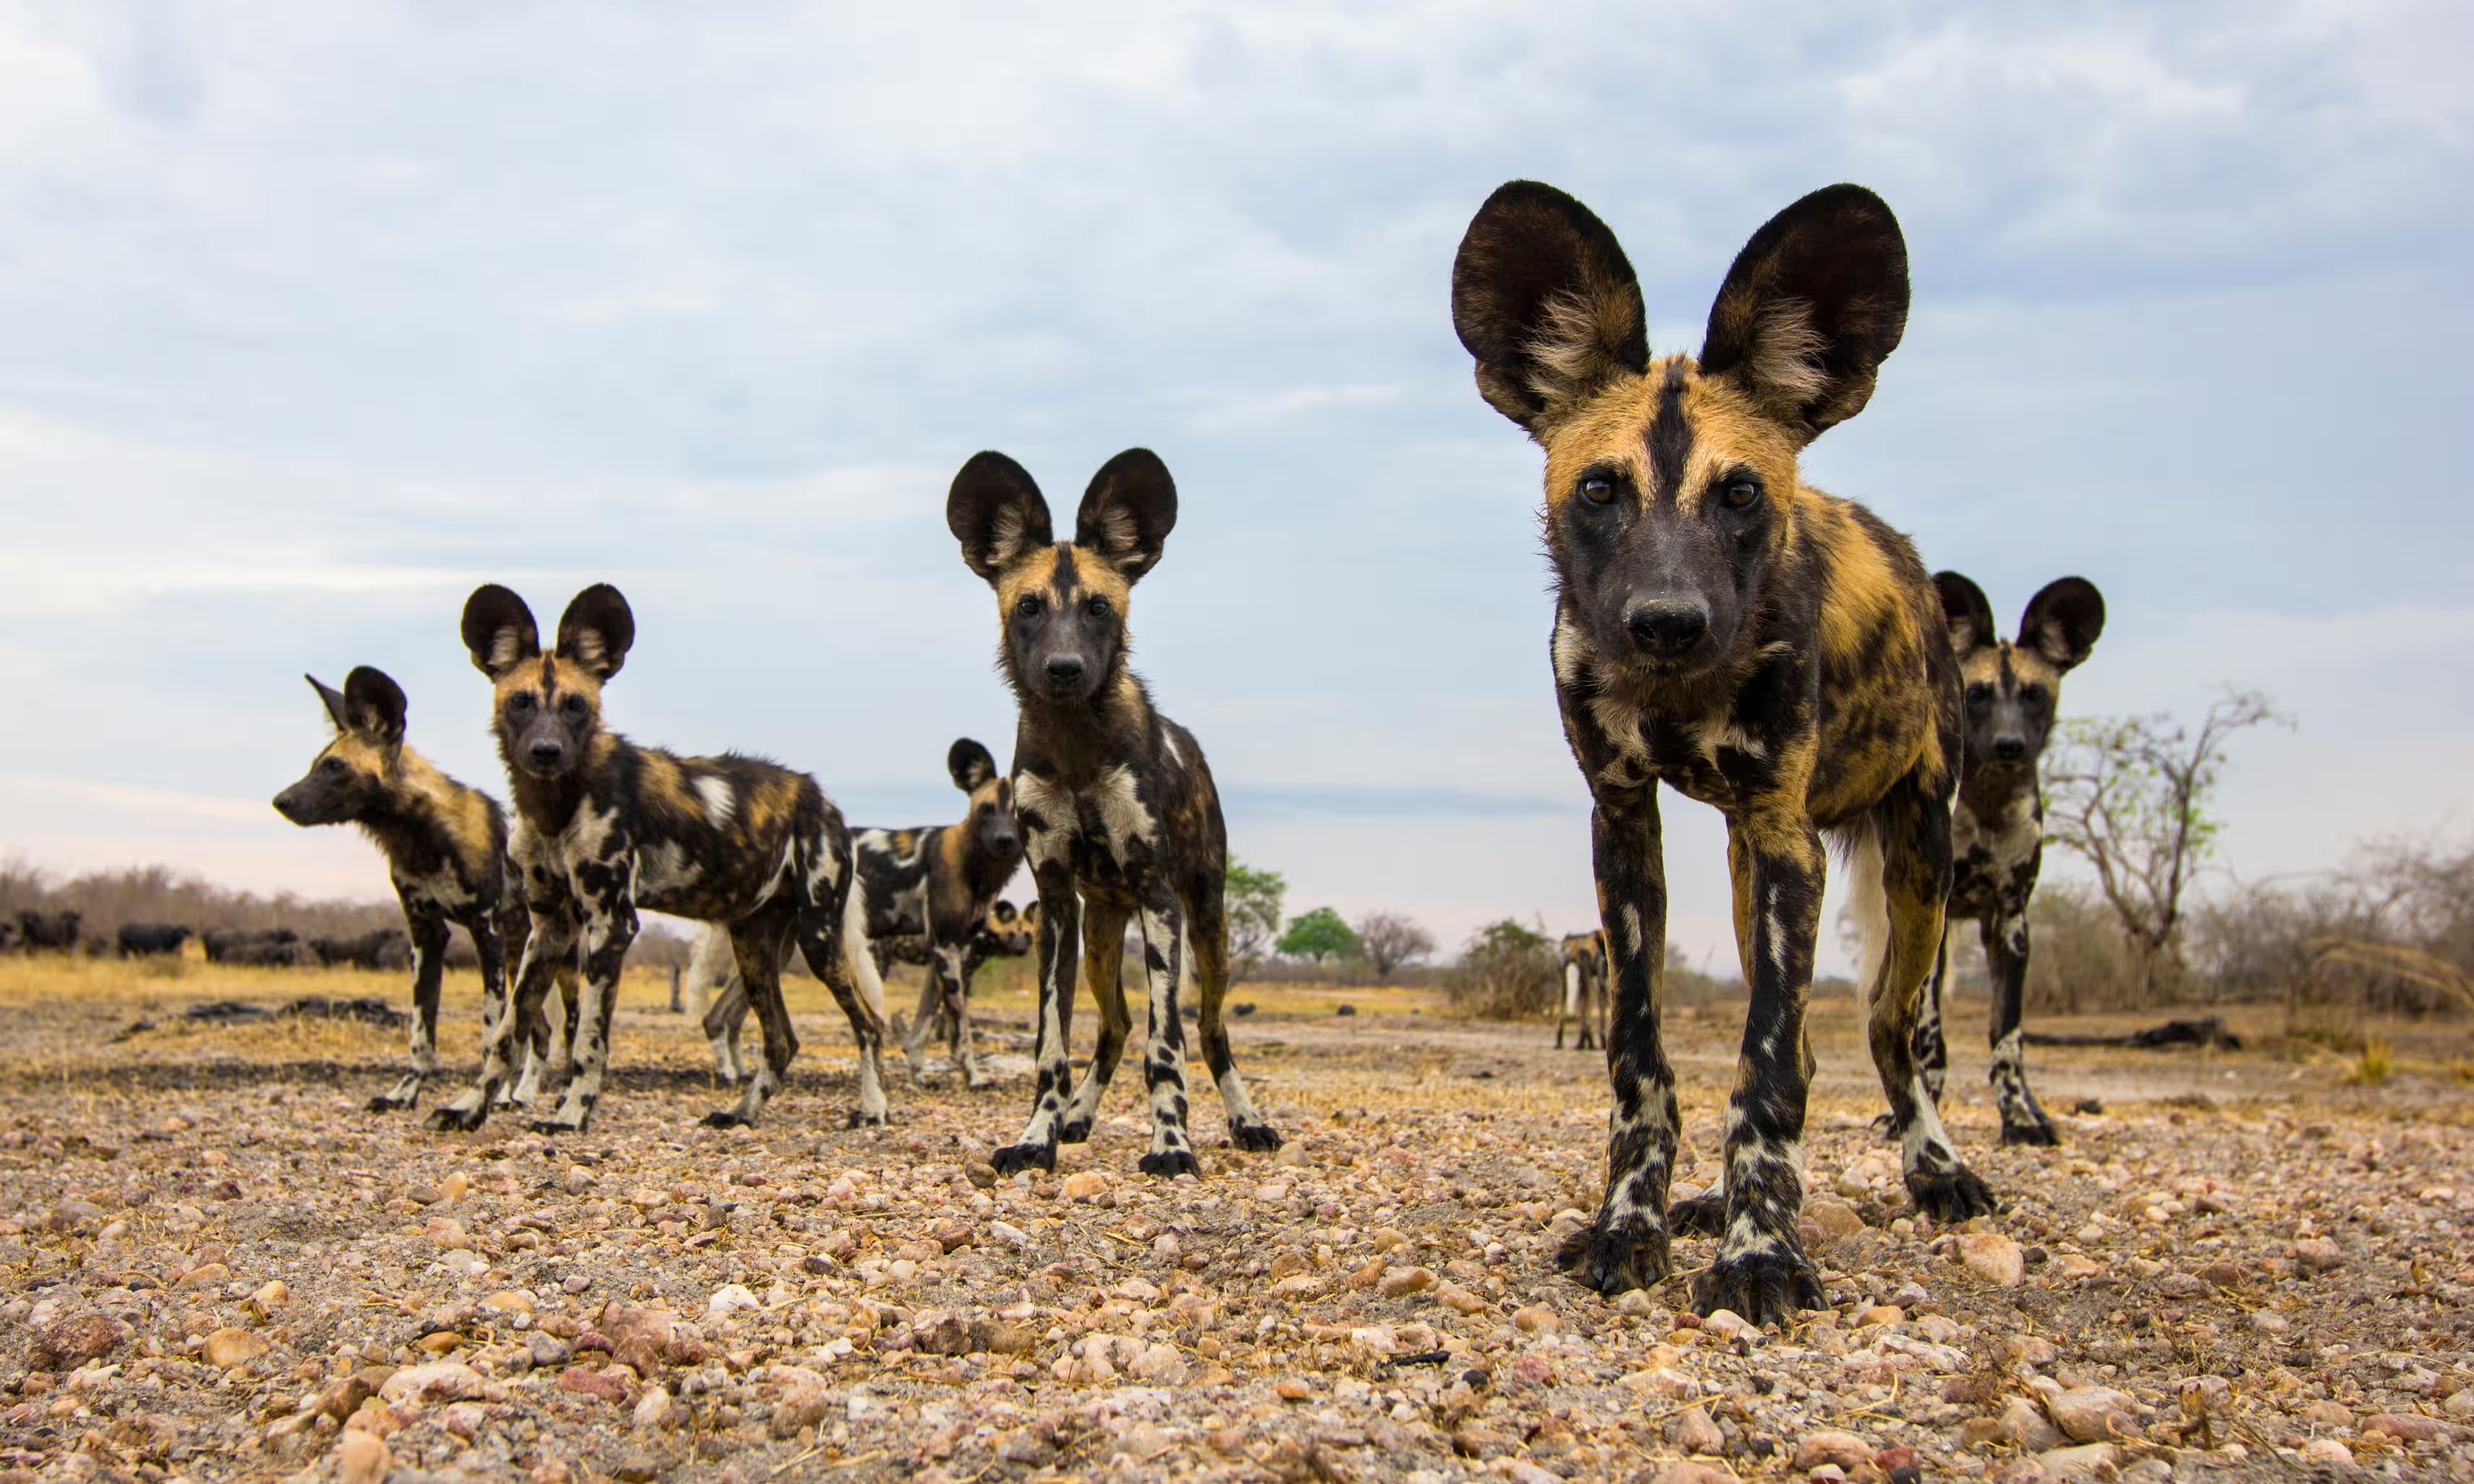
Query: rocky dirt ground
219, 1267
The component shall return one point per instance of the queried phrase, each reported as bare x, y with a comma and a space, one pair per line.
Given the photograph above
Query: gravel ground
221, 1268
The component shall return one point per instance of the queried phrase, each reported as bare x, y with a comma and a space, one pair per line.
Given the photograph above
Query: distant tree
1508, 971
1391, 940
1320, 935
1254, 899
2131, 796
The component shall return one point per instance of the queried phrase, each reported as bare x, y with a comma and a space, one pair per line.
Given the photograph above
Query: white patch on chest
719, 801
1051, 839
2008, 838
1719, 732
1123, 819
1568, 648
587, 836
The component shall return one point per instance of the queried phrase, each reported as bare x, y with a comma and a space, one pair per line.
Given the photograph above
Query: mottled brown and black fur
1585, 989
1117, 806
934, 884
445, 849
2012, 691
604, 827
1754, 644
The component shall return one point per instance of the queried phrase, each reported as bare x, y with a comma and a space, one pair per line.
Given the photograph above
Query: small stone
1829, 1446
1535, 1319
1725, 1323
444, 1381
609, 1385
2023, 1425
362, 1458
1837, 1219
2328, 1450
509, 1300
1880, 1314
1009, 1234
1690, 1473
463, 1419
1083, 1184
804, 1401
1660, 1381
2328, 1414
2319, 1255
2030, 1348
81, 1339
1160, 1365
233, 1348
2460, 1403
270, 1296
1695, 1433
574, 1283
447, 1234
949, 1235
2094, 1414
2085, 1465
206, 1275
1400, 1282
1453, 1296
2412, 1427
652, 1407
1291, 1389
1994, 1258
730, 1298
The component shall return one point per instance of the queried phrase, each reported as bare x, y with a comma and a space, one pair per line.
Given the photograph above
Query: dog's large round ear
498, 629
970, 764
1128, 513
2063, 622
596, 630
1545, 300
1970, 615
997, 513
1815, 303
375, 705
1002, 914
334, 699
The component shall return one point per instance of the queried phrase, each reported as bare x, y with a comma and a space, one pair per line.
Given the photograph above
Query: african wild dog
604, 828
146, 940
1753, 642
1115, 800
1584, 989
445, 849
2012, 691
935, 883
1004, 934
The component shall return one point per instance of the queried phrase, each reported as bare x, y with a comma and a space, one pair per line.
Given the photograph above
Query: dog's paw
1014, 1158
1254, 1137
1703, 1215
452, 1119
2040, 1130
1766, 1288
1951, 1196
1169, 1163
1078, 1132
1618, 1262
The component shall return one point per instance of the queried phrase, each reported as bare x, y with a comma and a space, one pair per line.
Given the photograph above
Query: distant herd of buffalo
283, 948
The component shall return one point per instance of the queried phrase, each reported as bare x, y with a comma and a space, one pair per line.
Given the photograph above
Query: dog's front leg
2024, 1120
1762, 1272
1060, 958
1172, 1151
549, 945
429, 929
1626, 1247
606, 896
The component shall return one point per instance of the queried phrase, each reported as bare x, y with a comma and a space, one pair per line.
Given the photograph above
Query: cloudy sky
318, 315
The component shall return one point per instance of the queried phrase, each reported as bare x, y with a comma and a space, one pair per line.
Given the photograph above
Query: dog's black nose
545, 754
1064, 669
1667, 626
1005, 841
2009, 749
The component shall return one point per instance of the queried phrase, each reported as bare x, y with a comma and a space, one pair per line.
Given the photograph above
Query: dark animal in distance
2013, 691
147, 940
1754, 644
385, 947
279, 946
445, 849
49, 930
1585, 989
1119, 814
605, 828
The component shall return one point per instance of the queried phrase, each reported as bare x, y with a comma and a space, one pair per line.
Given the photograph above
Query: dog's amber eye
2033, 695
520, 702
572, 705
1740, 492
1097, 607
333, 765
1597, 489
1979, 693
1027, 605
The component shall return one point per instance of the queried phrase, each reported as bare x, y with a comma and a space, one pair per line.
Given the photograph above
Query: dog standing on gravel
1755, 644
604, 828
2012, 692
1117, 807
445, 849
1584, 989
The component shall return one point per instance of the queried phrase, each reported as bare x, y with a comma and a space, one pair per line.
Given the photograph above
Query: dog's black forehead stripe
1670, 436
2006, 678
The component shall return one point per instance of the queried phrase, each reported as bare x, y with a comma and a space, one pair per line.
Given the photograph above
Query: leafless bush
2079, 959
1508, 971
